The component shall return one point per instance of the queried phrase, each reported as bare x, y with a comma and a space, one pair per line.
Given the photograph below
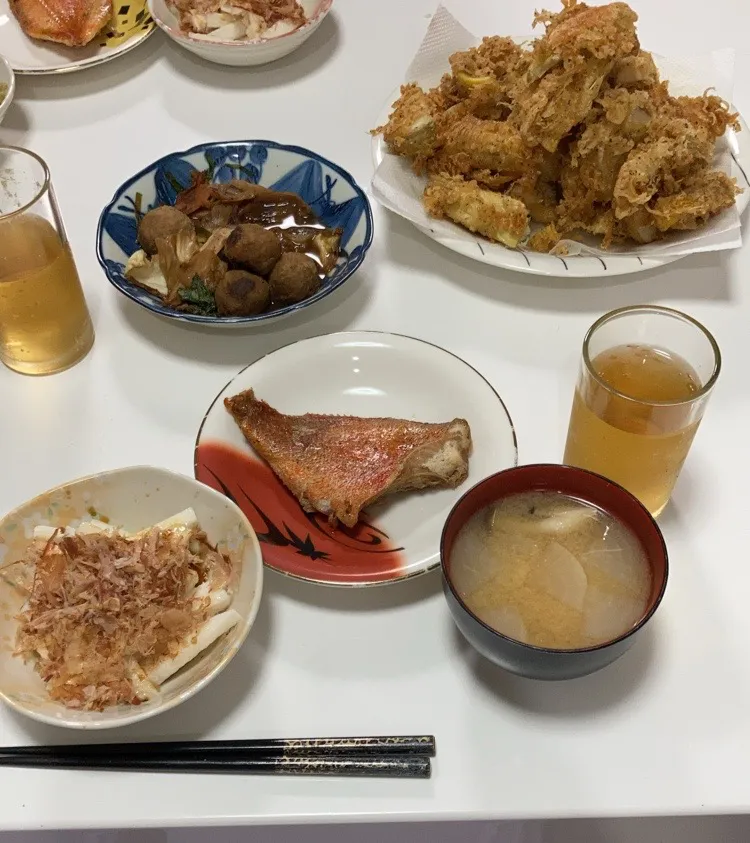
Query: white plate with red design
366, 374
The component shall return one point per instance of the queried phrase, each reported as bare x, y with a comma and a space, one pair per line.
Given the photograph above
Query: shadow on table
607, 688
16, 123
240, 346
368, 599
301, 63
703, 276
110, 77
196, 717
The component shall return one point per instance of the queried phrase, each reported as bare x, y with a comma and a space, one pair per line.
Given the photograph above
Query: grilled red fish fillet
71, 22
338, 465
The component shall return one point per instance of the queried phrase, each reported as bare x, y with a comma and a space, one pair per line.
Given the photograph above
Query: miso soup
550, 570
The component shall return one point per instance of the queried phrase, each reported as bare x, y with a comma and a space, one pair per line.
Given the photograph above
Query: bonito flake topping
106, 609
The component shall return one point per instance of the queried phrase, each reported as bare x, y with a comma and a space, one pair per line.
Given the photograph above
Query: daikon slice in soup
550, 570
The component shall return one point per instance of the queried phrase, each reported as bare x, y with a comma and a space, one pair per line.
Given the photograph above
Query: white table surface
663, 731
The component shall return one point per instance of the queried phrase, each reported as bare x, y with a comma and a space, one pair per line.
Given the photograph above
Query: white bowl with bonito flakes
122, 594
236, 34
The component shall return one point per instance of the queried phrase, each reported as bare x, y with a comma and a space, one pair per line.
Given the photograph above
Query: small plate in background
26, 55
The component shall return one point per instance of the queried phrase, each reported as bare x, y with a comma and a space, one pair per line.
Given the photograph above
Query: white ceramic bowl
241, 53
7, 77
133, 498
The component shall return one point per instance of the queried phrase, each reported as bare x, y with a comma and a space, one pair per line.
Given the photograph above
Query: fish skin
71, 22
338, 465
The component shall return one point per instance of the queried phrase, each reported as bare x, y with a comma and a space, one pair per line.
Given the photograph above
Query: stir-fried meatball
294, 278
241, 293
253, 248
160, 224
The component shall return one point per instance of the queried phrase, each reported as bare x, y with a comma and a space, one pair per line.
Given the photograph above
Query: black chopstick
411, 767
377, 747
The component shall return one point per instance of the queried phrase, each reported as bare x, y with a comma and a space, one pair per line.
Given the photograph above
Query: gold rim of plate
132, 26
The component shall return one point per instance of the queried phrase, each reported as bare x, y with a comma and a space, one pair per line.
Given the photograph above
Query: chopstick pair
394, 756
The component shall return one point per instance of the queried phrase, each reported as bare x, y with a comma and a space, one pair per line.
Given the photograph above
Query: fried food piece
410, 129
618, 121
496, 57
703, 196
630, 110
544, 240
485, 98
708, 113
638, 227
492, 71
657, 166
568, 67
638, 71
548, 108
472, 144
538, 195
580, 214
71, 22
496, 216
598, 32
339, 465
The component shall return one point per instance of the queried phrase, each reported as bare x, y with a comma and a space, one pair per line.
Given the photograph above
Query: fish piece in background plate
339, 465
71, 22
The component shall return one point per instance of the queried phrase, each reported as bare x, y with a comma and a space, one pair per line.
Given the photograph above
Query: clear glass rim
4, 147
663, 311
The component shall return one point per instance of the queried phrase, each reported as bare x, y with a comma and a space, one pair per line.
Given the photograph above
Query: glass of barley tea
645, 379
44, 322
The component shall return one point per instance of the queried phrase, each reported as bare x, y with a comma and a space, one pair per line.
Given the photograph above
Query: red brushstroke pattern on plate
293, 541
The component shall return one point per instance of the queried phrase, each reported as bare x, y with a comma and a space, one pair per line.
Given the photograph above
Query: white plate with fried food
123, 594
82, 33
347, 452
565, 155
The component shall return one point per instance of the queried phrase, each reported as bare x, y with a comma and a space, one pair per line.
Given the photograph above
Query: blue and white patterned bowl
330, 191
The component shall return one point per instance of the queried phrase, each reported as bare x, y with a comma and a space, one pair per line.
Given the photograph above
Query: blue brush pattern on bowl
330, 191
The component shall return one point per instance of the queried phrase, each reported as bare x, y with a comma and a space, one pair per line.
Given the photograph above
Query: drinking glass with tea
45, 325
646, 375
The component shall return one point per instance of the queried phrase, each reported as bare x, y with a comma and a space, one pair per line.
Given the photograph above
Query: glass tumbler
45, 325
645, 379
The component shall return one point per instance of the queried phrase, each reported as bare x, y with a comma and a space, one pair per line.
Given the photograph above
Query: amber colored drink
44, 322
634, 422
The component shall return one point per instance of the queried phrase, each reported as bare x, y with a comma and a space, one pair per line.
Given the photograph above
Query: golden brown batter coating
577, 130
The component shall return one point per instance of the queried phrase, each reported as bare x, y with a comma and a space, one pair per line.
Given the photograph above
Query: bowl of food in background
235, 35
124, 594
7, 86
552, 572
234, 233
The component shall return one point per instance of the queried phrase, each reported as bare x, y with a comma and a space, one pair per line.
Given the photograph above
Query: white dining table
664, 730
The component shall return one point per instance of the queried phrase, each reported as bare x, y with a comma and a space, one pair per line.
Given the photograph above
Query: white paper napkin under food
397, 187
